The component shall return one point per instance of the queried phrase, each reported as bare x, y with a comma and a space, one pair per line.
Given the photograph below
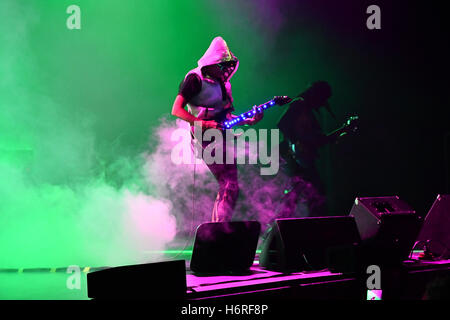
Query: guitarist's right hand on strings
210, 124
179, 111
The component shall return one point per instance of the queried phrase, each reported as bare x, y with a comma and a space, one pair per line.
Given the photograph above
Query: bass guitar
304, 155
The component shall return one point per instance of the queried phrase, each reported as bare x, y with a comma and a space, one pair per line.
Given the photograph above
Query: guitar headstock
281, 100
352, 124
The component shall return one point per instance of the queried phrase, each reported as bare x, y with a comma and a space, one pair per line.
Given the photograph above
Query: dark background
398, 86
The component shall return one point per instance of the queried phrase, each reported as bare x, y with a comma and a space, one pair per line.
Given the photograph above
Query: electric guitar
305, 156
225, 124
349, 126
277, 100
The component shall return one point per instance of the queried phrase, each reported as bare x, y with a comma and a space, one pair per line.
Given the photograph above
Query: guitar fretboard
248, 114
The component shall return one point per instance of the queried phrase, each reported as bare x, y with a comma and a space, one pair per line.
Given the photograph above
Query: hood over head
218, 52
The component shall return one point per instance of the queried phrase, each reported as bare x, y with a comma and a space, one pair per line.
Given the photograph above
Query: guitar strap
224, 90
327, 106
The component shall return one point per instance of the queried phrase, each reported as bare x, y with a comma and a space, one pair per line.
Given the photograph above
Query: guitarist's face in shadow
317, 95
220, 71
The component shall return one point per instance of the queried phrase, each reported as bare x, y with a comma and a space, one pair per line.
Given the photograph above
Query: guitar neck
350, 125
337, 133
248, 114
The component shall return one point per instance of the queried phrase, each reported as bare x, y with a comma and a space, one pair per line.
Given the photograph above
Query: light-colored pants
227, 177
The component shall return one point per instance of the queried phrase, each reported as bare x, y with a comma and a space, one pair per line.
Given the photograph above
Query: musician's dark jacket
300, 127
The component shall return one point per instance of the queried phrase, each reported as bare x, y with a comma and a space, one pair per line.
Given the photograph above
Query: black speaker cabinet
225, 247
314, 243
388, 227
436, 227
156, 281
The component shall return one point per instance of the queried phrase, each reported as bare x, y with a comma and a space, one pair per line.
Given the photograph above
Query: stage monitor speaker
225, 247
315, 243
156, 281
436, 227
388, 228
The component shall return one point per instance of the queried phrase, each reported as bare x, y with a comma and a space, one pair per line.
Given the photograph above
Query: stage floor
51, 283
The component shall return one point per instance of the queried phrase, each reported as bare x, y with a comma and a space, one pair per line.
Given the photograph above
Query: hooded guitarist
206, 92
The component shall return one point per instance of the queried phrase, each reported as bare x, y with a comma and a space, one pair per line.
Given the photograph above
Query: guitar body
305, 155
295, 153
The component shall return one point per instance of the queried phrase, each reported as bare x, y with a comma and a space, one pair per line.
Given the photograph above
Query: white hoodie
208, 102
